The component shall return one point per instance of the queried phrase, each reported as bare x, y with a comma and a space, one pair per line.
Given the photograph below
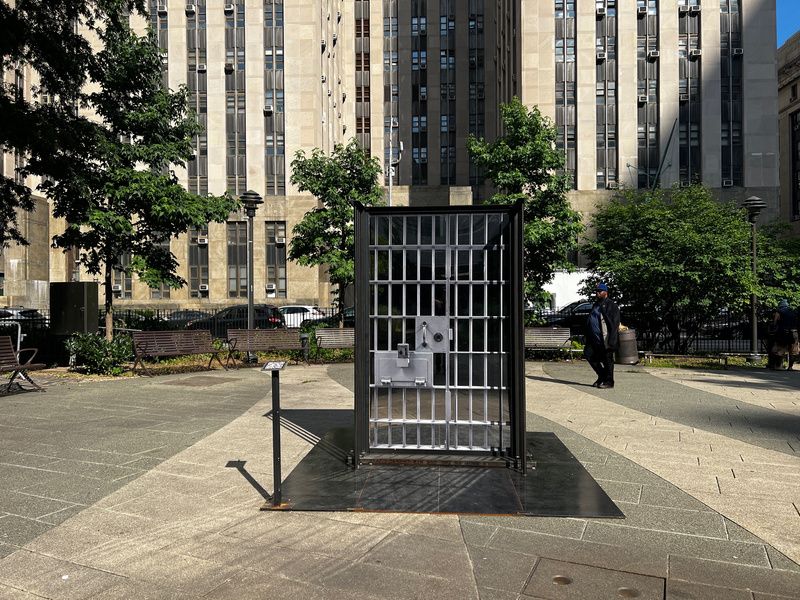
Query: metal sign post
275, 367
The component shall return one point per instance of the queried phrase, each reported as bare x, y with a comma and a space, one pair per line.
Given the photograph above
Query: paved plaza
151, 488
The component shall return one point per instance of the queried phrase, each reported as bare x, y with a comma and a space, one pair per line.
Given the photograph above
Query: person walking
785, 340
602, 337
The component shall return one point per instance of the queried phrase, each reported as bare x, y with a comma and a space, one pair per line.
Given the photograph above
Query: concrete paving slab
682, 590
500, 570
725, 574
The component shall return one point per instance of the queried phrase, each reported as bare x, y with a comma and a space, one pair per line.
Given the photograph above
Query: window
198, 260
276, 258
237, 259
122, 277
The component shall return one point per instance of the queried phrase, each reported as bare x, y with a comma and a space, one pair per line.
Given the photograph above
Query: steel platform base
556, 484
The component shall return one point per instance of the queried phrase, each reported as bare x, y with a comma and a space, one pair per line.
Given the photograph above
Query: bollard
305, 344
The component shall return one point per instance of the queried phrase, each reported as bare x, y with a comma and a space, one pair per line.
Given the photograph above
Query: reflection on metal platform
556, 484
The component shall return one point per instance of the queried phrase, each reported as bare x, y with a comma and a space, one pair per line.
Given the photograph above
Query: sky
788, 19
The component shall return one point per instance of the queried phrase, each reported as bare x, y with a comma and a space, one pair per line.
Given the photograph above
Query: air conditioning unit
738, 51
338, 15
203, 287
653, 54
202, 241
612, 185
423, 66
330, 93
423, 95
323, 79
683, 97
695, 53
601, 56
229, 8
201, 68
394, 122
601, 11
271, 288
162, 10
228, 67
642, 98
344, 96
683, 9
641, 11
164, 57
694, 9
323, 43
117, 287
268, 110
685, 184
280, 241
423, 160
190, 9
727, 183
423, 29
335, 37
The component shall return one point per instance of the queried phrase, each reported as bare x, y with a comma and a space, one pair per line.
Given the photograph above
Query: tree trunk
109, 303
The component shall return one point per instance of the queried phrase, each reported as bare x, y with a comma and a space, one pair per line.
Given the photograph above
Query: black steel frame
517, 408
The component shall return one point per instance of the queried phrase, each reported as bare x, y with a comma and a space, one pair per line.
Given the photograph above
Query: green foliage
676, 259
524, 164
96, 355
325, 235
41, 34
119, 194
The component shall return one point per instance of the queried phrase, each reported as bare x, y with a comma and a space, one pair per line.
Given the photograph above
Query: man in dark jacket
602, 337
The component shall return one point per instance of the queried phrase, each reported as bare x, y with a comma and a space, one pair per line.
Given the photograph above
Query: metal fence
727, 333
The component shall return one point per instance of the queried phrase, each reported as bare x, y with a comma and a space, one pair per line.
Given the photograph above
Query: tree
41, 34
524, 163
118, 195
677, 259
325, 235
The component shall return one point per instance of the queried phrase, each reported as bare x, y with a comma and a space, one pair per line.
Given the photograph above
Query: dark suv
266, 316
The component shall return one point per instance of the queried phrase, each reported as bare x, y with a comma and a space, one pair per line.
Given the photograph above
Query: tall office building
643, 93
789, 104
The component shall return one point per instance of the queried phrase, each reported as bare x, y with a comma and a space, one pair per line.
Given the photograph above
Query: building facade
643, 93
789, 125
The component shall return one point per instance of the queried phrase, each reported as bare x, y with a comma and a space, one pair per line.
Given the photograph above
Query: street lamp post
754, 206
251, 201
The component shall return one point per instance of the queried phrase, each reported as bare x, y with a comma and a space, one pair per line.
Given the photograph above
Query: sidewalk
136, 489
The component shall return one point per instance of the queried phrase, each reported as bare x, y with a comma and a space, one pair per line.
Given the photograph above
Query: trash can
628, 352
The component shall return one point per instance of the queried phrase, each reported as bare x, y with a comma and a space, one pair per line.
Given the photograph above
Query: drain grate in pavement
557, 580
199, 381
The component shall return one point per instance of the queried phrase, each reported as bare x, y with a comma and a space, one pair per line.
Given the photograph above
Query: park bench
343, 337
549, 338
155, 344
262, 340
10, 363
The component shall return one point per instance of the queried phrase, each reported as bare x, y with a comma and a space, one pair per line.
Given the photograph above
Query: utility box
73, 307
439, 331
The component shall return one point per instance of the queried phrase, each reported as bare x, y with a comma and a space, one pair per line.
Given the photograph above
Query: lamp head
754, 206
251, 201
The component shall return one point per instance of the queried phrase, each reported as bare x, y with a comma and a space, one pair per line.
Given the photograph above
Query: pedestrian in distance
602, 337
784, 337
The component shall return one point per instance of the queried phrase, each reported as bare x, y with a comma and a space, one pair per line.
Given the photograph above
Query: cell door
438, 316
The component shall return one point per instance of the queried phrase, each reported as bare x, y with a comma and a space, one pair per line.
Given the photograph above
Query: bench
155, 344
549, 338
340, 337
262, 340
10, 363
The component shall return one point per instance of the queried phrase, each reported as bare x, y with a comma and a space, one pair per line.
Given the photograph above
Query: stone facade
789, 125
346, 67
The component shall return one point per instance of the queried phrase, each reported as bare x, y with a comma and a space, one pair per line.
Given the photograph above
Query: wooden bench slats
340, 337
262, 340
9, 363
153, 344
547, 338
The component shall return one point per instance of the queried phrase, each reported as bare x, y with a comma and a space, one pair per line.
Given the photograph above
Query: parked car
573, 315
295, 314
180, 318
348, 316
29, 318
266, 316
